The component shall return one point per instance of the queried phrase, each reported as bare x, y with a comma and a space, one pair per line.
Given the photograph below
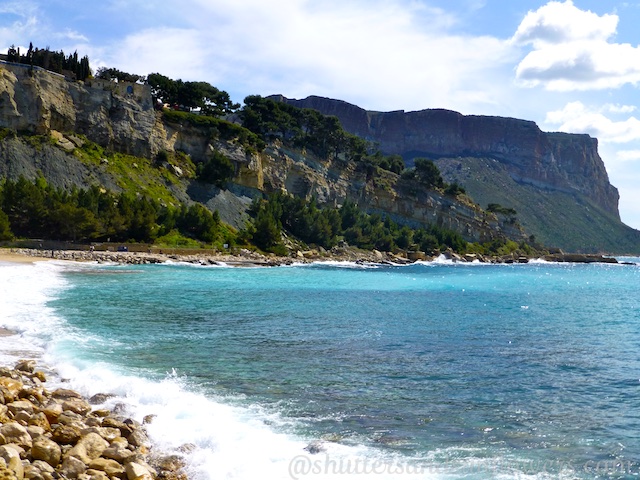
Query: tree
5, 230
217, 170
427, 173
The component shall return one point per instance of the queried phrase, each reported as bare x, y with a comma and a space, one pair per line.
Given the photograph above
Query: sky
568, 65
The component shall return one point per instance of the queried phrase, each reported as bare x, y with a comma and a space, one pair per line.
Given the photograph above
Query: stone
72, 467
66, 435
40, 420
108, 466
11, 388
100, 398
89, 447
108, 433
138, 438
20, 406
76, 405
92, 474
34, 431
135, 471
6, 473
16, 433
12, 459
46, 450
65, 394
118, 453
26, 366
52, 412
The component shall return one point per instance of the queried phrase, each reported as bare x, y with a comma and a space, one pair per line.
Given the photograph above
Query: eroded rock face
39, 102
554, 161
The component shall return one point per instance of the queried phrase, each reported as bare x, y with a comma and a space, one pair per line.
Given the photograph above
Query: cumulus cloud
379, 54
572, 50
575, 117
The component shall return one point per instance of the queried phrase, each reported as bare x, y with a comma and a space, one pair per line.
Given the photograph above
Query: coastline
247, 258
61, 434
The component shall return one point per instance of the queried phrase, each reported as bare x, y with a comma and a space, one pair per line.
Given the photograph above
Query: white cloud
572, 51
381, 55
575, 117
628, 155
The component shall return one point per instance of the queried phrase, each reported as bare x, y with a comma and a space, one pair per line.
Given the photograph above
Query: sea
434, 370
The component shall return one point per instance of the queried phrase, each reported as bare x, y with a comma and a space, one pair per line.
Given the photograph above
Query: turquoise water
445, 371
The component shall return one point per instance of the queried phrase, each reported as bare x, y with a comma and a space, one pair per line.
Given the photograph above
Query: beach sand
6, 255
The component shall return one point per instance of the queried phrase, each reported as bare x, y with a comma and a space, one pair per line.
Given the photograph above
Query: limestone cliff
553, 165
121, 118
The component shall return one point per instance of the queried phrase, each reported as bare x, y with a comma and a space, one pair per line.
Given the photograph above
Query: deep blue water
466, 371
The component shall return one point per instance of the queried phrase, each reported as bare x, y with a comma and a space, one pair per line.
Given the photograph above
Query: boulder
16, 433
88, 448
135, 471
12, 459
108, 466
26, 366
66, 435
72, 467
46, 450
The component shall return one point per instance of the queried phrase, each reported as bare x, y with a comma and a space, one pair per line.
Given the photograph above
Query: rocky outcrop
59, 434
120, 117
552, 161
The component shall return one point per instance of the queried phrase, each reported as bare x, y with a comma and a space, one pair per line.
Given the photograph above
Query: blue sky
570, 66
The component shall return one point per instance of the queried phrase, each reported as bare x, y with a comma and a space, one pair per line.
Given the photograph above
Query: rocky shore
47, 435
247, 258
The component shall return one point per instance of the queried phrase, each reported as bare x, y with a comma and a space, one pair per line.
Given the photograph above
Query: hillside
556, 182
109, 135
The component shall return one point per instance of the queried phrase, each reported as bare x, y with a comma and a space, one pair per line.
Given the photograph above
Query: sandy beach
6, 255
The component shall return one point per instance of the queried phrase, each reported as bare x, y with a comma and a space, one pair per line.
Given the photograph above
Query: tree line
34, 209
57, 62
326, 227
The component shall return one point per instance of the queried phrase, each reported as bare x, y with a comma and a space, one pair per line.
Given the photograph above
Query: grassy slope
553, 217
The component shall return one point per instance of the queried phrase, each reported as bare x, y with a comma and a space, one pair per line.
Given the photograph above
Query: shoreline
247, 258
59, 433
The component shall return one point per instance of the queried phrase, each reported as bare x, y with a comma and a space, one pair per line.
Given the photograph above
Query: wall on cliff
563, 171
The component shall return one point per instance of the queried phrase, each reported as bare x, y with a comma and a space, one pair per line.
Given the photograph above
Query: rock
6, 473
76, 405
315, 447
46, 450
118, 453
138, 438
66, 435
72, 467
100, 398
12, 459
11, 388
16, 433
20, 406
89, 447
26, 366
34, 431
108, 466
52, 411
136, 471
65, 394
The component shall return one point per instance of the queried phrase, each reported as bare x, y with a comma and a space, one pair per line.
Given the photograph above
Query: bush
217, 170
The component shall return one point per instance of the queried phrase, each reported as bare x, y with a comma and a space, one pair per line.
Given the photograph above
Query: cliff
502, 160
50, 119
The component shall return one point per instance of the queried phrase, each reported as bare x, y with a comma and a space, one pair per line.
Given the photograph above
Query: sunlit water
423, 371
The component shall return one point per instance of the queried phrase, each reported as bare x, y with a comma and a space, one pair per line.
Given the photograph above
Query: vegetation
191, 95
37, 210
217, 170
325, 227
115, 74
56, 62
308, 129
497, 208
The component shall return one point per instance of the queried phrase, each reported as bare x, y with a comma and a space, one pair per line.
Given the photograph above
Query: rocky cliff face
122, 119
549, 161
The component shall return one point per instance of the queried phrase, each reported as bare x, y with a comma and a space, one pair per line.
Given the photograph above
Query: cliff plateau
557, 182
121, 119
